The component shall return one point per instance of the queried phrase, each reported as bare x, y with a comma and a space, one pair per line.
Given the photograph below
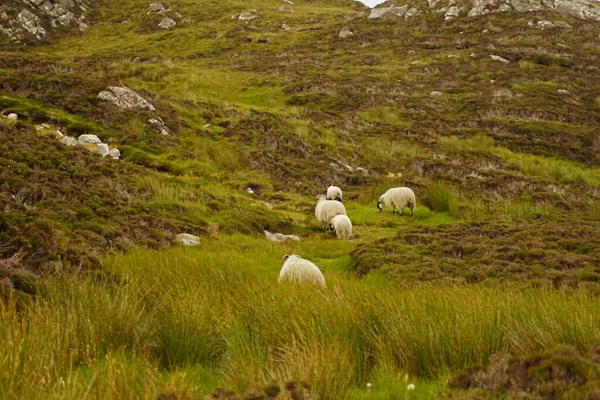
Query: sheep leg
411, 211
402, 211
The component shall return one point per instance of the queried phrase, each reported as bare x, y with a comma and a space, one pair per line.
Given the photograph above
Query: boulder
452, 13
285, 9
167, 23
187, 240
69, 141
125, 98
280, 237
103, 149
115, 153
31, 23
12, 116
549, 24
91, 147
88, 139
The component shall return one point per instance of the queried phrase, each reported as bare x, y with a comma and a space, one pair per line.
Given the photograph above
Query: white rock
88, 139
187, 240
249, 190
410, 387
69, 141
103, 149
115, 153
247, 16
498, 58
12, 116
452, 13
285, 9
563, 91
285, 27
167, 23
125, 98
345, 33
435, 94
289, 2
157, 7
280, 237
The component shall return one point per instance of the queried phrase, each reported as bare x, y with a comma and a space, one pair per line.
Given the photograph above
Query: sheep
399, 198
297, 269
327, 209
342, 226
334, 193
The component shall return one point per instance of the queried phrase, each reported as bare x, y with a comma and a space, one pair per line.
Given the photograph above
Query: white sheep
334, 193
296, 269
342, 226
399, 198
327, 209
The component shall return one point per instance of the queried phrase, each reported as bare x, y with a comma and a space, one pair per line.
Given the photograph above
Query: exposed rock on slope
583, 9
33, 20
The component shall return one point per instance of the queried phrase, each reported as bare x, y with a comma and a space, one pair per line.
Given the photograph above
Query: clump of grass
438, 197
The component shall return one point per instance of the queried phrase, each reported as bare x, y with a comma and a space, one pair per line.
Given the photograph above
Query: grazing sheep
327, 209
342, 226
334, 193
399, 198
297, 269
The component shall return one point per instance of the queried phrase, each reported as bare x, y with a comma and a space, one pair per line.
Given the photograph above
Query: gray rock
452, 13
88, 139
280, 237
247, 16
167, 23
285, 27
115, 153
345, 33
285, 9
187, 240
157, 7
125, 98
69, 141
159, 126
583, 9
388, 12
435, 94
103, 149
498, 58
31, 23
12, 116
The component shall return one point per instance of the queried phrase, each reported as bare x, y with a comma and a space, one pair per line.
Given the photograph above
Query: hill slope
241, 113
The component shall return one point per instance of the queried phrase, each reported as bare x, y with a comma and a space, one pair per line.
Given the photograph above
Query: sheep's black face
331, 227
379, 206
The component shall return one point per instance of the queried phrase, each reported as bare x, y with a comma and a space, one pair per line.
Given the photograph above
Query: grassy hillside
501, 255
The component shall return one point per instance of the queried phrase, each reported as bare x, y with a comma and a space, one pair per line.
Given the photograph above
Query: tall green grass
189, 319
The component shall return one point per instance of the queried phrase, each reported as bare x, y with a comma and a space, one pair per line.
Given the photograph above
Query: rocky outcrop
583, 9
125, 98
34, 20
